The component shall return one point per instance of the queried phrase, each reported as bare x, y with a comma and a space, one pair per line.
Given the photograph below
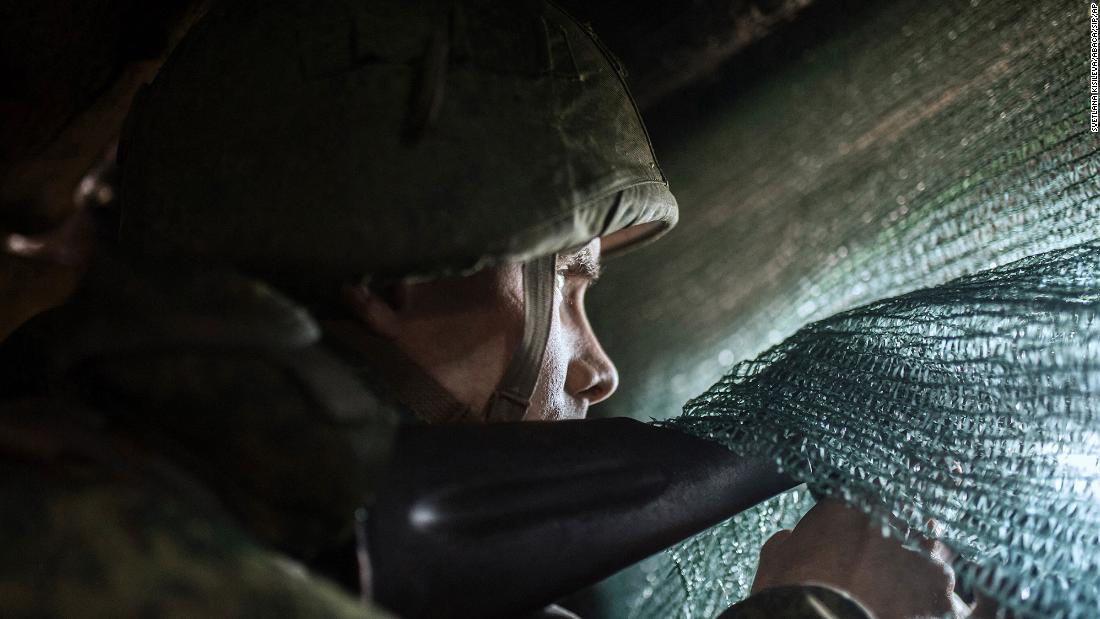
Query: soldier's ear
379, 312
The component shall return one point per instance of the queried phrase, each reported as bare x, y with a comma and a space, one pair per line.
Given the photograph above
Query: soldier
337, 217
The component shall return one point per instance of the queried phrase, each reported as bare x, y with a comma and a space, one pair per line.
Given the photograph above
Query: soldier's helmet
317, 143
323, 140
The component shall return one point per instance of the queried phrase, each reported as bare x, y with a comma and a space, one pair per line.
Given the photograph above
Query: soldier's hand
842, 548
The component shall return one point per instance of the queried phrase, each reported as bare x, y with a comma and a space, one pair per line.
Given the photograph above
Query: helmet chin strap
512, 396
429, 400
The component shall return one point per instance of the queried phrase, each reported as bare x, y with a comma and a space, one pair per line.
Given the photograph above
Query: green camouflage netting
975, 403
922, 143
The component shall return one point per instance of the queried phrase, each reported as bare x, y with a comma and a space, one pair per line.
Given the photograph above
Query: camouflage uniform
153, 458
89, 540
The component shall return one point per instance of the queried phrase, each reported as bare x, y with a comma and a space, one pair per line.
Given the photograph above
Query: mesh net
923, 143
975, 403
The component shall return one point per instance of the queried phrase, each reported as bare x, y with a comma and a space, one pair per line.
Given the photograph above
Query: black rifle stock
494, 520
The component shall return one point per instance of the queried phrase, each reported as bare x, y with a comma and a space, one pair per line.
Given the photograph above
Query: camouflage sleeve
798, 602
79, 547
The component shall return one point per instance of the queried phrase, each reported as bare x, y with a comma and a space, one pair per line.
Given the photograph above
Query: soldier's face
464, 330
576, 371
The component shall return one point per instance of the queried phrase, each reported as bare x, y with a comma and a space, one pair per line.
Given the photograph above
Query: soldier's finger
771, 556
774, 542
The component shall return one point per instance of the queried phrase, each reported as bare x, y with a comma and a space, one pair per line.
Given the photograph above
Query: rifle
498, 519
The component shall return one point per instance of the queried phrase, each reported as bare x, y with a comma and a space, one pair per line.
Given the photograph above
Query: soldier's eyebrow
581, 263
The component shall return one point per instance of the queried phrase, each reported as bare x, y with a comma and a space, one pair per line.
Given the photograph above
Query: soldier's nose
592, 378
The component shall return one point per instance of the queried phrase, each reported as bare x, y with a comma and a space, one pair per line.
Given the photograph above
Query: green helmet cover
389, 138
